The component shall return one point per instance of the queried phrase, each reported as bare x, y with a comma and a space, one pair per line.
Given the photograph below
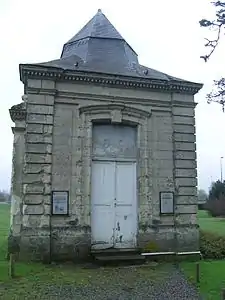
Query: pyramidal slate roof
98, 27
99, 48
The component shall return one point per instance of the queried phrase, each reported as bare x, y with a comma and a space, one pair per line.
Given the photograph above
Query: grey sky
165, 34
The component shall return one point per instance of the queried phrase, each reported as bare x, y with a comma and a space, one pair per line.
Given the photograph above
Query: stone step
114, 251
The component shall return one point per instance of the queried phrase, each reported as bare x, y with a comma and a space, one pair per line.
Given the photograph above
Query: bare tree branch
218, 93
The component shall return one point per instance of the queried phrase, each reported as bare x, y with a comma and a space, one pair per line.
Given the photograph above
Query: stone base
35, 244
168, 239
70, 244
59, 244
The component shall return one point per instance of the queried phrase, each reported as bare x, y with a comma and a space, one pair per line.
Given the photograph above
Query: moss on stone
151, 247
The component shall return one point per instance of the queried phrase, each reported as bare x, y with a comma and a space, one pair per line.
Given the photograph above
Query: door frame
120, 160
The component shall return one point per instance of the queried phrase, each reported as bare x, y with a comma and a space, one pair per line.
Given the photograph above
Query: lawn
4, 227
212, 274
208, 223
32, 278
212, 277
35, 279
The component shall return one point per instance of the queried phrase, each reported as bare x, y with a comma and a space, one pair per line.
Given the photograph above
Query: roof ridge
95, 19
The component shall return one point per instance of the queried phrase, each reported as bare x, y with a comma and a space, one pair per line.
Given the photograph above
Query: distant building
104, 152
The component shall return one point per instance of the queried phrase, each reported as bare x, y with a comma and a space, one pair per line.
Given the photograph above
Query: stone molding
113, 109
94, 113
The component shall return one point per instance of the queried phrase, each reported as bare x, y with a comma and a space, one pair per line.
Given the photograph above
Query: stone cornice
41, 72
18, 112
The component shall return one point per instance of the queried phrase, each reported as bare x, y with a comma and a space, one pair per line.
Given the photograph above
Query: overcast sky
165, 34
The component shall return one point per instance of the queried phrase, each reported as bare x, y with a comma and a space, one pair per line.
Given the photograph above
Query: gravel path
126, 284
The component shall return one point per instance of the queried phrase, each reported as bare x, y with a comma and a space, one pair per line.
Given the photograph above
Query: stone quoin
104, 153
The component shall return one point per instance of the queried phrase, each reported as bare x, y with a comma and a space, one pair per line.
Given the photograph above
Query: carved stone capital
18, 112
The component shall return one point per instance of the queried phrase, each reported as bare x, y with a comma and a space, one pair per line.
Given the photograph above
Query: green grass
208, 223
4, 229
212, 274
212, 277
32, 279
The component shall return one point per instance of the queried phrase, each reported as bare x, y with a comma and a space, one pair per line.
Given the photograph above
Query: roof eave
37, 71
196, 85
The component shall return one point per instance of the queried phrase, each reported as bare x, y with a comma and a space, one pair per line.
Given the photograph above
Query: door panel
125, 206
102, 198
114, 208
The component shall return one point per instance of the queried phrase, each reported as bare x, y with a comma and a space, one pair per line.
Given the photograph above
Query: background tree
218, 26
4, 196
216, 203
217, 190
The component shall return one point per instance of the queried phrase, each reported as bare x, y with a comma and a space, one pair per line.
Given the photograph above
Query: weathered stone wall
173, 169
71, 233
58, 157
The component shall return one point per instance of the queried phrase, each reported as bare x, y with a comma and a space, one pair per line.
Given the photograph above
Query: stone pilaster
18, 115
185, 176
16, 180
37, 177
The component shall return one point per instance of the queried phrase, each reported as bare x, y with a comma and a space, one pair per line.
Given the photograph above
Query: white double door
114, 205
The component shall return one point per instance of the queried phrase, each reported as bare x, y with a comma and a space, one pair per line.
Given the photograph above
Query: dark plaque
60, 202
166, 202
